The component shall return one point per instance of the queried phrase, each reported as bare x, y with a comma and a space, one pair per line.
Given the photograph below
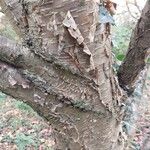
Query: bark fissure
65, 118
63, 70
49, 74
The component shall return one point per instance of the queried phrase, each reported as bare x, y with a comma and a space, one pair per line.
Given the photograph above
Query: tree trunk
63, 71
138, 52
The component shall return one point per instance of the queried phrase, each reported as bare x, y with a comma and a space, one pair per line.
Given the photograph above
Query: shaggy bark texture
63, 70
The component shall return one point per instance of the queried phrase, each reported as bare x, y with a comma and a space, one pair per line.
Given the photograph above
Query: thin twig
127, 5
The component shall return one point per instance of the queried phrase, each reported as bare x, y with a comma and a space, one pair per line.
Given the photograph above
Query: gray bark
138, 52
63, 71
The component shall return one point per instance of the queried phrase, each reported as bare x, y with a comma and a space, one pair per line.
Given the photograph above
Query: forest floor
21, 128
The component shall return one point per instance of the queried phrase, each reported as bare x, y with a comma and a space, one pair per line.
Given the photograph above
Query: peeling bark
62, 69
74, 126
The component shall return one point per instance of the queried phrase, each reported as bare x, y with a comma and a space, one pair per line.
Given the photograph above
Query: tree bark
62, 69
138, 52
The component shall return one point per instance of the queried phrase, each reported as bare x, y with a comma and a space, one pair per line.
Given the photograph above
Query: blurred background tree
127, 14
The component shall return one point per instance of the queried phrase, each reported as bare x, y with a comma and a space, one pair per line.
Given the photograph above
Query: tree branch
66, 119
50, 77
45, 104
138, 51
129, 11
75, 64
137, 6
65, 72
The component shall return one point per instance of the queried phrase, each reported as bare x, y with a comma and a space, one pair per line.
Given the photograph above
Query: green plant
2, 97
15, 123
7, 138
23, 107
81, 105
23, 141
121, 38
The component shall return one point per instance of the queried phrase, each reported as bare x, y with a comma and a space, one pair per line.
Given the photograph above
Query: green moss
82, 105
7, 138
23, 141
9, 32
82, 3
2, 98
